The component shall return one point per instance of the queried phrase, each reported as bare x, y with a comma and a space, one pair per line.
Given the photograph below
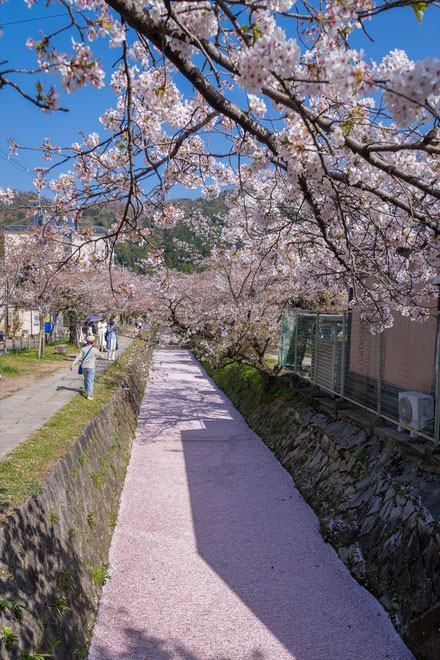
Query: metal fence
30, 341
392, 374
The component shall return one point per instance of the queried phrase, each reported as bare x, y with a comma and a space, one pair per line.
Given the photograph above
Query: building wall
12, 236
408, 357
30, 322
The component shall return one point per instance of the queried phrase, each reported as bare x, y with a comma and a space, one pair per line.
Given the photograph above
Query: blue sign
48, 322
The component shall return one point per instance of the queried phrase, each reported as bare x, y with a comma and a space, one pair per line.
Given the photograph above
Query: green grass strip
25, 360
22, 469
243, 381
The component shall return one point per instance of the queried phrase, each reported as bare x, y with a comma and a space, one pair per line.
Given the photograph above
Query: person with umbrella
92, 317
89, 320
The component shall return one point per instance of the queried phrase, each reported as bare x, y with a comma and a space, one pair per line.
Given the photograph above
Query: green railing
393, 374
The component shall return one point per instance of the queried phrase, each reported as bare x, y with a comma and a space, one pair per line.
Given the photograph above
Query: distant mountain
26, 205
211, 208
23, 209
105, 214
176, 256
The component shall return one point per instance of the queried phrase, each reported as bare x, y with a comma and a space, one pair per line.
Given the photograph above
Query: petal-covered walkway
216, 556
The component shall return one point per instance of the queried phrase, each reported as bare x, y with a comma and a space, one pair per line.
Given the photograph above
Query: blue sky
28, 125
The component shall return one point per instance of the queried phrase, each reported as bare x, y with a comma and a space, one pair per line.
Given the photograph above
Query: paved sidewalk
24, 412
216, 556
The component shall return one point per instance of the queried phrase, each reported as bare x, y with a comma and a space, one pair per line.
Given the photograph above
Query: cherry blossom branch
44, 106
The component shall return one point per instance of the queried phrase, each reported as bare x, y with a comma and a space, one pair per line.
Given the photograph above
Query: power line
16, 164
30, 20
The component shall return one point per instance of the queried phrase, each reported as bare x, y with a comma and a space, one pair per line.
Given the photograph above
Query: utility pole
2, 254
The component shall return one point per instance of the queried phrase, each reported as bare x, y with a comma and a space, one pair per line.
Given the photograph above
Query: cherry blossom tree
232, 310
331, 158
31, 270
39, 276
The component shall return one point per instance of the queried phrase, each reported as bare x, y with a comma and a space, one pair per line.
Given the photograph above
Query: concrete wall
377, 496
54, 548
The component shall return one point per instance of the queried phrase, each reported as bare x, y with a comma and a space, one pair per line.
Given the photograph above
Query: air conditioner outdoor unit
416, 410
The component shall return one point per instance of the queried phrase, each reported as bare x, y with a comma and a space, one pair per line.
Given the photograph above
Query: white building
20, 321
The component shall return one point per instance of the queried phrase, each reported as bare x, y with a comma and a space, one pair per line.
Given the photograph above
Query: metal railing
394, 374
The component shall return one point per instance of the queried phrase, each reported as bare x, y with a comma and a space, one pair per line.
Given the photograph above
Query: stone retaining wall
368, 488
54, 548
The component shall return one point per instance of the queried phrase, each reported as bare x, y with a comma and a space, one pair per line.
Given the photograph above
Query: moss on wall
54, 548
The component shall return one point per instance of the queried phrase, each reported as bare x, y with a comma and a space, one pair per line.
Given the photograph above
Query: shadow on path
256, 532
245, 531
216, 555
70, 389
139, 645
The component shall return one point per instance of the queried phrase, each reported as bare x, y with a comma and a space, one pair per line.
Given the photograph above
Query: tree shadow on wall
44, 571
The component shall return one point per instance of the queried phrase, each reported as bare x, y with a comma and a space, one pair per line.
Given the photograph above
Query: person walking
80, 334
102, 329
112, 342
84, 332
87, 356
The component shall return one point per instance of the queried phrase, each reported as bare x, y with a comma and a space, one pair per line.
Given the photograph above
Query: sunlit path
216, 556
29, 408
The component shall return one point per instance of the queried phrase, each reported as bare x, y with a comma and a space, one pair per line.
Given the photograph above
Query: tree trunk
54, 323
42, 337
267, 380
73, 327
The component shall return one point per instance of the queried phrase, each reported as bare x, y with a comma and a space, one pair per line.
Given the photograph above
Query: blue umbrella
93, 317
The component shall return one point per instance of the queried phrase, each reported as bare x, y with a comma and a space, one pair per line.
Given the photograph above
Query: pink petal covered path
216, 556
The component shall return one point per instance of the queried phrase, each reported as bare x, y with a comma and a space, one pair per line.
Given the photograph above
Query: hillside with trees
23, 209
26, 205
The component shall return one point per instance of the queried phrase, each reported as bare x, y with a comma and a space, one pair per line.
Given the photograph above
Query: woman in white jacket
102, 329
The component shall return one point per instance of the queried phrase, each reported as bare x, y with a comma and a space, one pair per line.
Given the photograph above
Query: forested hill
106, 214
26, 206
175, 256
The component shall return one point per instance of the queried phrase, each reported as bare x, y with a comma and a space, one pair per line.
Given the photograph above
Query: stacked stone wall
366, 486
54, 548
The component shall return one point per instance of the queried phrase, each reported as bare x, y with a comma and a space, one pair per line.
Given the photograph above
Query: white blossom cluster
411, 90
271, 52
